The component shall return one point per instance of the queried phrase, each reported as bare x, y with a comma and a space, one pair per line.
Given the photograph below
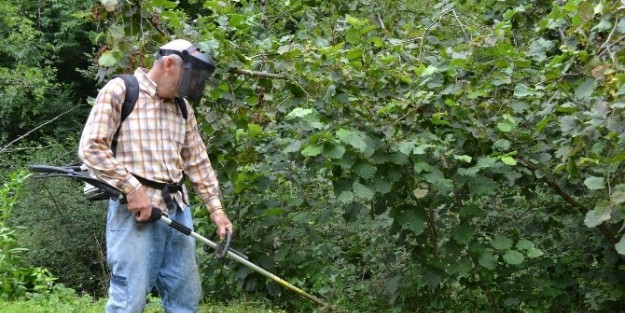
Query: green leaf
406, 147
480, 185
293, 147
363, 192
333, 150
513, 257
437, 178
601, 213
364, 170
254, 130
354, 53
486, 162
330, 92
437, 118
462, 234
507, 124
412, 221
346, 197
471, 210
533, 252
272, 212
432, 279
521, 91
618, 194
620, 246
309, 116
504, 126
524, 244
284, 49
421, 167
296, 89
299, 113
541, 125
312, 150
352, 211
594, 183
430, 70
352, 138
352, 36
382, 186
107, 59
164, 4
508, 160
488, 260
501, 243
209, 46
586, 89
462, 267
463, 158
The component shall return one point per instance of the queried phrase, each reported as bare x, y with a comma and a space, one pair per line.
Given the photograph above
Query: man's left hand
221, 221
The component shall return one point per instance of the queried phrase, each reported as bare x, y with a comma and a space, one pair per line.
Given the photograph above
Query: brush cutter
79, 173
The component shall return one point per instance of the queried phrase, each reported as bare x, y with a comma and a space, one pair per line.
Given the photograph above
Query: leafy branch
257, 74
607, 233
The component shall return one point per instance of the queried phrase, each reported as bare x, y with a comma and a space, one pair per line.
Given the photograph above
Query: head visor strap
199, 60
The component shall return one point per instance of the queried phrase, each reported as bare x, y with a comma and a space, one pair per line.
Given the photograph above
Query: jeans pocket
117, 217
118, 292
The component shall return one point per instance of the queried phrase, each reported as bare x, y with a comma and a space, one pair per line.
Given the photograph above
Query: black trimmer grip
222, 251
155, 215
181, 228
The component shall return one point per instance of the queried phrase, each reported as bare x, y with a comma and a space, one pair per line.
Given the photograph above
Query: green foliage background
389, 156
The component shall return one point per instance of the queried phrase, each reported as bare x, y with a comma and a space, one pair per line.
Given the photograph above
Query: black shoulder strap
130, 98
132, 94
182, 104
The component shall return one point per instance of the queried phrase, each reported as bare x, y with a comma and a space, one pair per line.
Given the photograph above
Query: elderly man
147, 156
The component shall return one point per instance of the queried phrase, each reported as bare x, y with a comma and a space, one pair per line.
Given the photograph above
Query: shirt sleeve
95, 143
197, 165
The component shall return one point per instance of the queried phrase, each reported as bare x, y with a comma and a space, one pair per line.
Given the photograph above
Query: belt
166, 190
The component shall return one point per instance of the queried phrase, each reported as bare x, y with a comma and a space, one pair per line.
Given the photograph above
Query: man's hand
139, 204
222, 223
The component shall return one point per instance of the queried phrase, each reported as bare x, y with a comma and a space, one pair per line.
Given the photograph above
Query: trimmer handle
222, 250
154, 216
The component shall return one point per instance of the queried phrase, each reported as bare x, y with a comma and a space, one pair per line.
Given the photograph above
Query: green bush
61, 229
17, 276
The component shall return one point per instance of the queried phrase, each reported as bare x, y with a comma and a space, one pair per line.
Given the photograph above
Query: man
144, 157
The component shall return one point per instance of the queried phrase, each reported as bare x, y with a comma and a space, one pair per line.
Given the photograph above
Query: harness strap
166, 189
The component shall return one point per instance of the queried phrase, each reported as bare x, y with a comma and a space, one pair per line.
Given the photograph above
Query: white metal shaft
251, 265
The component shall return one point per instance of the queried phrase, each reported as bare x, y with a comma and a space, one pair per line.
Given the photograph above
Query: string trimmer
76, 172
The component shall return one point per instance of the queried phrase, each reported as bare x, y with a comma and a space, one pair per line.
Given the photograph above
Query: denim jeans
142, 256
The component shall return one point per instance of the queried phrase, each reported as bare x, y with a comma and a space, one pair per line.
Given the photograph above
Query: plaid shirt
155, 142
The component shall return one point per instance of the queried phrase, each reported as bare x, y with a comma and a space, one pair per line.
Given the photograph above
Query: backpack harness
130, 98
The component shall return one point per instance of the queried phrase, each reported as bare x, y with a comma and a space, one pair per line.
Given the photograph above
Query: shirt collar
145, 81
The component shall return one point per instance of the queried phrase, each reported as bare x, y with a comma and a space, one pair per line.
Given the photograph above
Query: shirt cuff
130, 185
213, 204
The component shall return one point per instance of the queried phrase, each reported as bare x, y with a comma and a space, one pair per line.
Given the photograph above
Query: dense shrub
63, 231
17, 276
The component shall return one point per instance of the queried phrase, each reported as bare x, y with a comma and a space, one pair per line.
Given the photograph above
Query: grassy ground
68, 303
33, 307
93, 307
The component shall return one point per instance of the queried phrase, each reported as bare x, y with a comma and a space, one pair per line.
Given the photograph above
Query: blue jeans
141, 256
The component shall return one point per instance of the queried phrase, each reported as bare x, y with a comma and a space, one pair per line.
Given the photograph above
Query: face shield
197, 68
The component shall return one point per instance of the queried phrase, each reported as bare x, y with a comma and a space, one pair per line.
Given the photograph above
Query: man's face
172, 74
